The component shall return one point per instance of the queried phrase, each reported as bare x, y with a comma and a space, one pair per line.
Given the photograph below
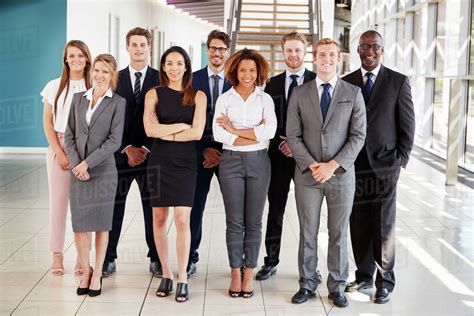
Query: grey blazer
340, 137
97, 142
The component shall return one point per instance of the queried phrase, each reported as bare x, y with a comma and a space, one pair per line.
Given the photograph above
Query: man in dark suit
211, 80
390, 134
280, 88
133, 83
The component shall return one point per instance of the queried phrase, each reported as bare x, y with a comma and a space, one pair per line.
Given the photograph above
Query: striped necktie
136, 88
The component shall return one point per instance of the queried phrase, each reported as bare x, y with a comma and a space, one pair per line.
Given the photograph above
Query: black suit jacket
201, 82
134, 131
390, 121
276, 89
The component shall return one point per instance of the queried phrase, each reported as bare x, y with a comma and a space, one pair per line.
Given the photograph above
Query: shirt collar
133, 71
210, 73
375, 72
332, 82
89, 92
300, 73
258, 91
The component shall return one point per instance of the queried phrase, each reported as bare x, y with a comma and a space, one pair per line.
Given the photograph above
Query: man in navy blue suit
211, 80
131, 159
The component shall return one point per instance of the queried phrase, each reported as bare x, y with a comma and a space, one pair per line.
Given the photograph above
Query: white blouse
90, 110
64, 105
246, 114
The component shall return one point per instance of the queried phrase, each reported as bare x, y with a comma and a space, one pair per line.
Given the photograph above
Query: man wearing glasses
390, 134
211, 80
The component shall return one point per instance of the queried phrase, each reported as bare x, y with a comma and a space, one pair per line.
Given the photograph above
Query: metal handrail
233, 30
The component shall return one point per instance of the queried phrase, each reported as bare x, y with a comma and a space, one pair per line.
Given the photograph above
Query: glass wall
440, 37
469, 151
439, 118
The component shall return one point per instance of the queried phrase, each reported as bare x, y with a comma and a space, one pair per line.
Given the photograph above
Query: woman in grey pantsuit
244, 122
93, 134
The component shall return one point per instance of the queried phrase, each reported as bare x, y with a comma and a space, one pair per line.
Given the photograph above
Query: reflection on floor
434, 268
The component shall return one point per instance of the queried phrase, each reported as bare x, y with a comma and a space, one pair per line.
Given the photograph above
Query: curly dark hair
263, 68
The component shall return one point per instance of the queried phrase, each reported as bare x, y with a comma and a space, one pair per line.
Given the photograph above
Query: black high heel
182, 292
235, 294
93, 293
166, 287
84, 290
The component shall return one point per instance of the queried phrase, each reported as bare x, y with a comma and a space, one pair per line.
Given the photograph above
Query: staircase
260, 25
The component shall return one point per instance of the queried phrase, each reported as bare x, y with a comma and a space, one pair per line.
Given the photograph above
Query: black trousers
283, 170
203, 184
372, 224
126, 175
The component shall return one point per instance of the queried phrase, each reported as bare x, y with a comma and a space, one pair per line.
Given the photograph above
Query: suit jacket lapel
313, 94
380, 81
306, 76
332, 105
147, 83
102, 105
205, 84
83, 106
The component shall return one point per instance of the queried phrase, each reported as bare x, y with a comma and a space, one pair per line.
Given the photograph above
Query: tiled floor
434, 268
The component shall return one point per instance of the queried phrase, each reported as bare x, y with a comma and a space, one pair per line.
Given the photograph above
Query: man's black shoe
338, 299
156, 269
302, 296
382, 295
265, 272
357, 286
191, 269
319, 278
108, 268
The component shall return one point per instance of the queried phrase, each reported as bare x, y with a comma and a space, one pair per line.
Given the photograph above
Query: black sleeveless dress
172, 166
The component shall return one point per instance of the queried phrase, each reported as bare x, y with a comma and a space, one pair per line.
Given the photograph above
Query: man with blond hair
326, 129
280, 89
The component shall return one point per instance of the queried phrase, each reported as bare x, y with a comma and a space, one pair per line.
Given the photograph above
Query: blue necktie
293, 84
325, 99
369, 85
136, 88
215, 90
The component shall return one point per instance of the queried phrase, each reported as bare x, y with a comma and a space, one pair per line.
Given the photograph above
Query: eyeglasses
366, 47
213, 49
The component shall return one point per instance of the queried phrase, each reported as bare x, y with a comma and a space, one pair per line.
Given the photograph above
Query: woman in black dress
175, 115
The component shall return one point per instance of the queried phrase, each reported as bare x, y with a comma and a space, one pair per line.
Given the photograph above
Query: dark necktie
325, 99
293, 84
369, 85
215, 90
136, 88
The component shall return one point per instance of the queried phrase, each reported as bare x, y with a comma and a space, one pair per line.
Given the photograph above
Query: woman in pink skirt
57, 97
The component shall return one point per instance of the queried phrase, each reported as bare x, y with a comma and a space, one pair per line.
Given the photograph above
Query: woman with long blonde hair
57, 97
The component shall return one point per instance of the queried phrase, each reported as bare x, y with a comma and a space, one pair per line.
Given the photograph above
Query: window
469, 149
440, 117
471, 68
440, 37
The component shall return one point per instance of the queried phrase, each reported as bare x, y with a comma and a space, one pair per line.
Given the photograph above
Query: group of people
172, 130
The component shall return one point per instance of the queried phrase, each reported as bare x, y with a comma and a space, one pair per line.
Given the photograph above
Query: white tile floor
434, 268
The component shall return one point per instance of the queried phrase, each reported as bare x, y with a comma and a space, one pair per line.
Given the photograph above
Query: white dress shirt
288, 80
132, 76
319, 83
90, 110
245, 114
374, 72
64, 104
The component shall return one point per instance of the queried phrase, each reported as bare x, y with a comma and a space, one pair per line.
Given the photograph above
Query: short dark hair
263, 68
216, 34
371, 32
140, 32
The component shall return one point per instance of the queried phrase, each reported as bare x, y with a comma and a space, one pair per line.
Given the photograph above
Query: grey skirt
92, 201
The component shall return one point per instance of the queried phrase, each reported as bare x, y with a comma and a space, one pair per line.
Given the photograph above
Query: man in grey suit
326, 129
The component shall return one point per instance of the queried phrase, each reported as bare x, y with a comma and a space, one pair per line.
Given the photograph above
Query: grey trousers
339, 200
244, 178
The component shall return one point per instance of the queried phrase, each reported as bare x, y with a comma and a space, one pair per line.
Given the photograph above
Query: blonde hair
326, 41
111, 64
294, 36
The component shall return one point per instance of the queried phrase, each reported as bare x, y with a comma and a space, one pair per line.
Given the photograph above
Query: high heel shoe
165, 288
235, 294
182, 293
93, 293
55, 270
84, 290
